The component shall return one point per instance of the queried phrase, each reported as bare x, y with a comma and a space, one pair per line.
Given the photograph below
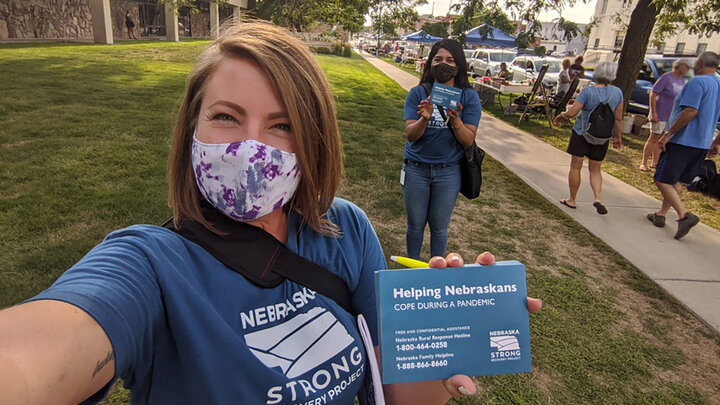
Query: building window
660, 47
597, 43
604, 7
679, 48
619, 38
700, 49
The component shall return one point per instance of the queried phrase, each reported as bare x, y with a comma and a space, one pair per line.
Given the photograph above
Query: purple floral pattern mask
244, 180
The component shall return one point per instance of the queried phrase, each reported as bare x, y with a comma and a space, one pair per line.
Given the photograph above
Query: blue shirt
185, 329
437, 144
702, 93
589, 99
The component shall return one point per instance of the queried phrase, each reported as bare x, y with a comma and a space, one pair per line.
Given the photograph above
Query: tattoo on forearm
102, 363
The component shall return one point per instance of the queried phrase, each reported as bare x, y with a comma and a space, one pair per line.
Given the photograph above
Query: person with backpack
600, 109
431, 172
687, 141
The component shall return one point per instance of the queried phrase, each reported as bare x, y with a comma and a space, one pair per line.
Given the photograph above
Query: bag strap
261, 258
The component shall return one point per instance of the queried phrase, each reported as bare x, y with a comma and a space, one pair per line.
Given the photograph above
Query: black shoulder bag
471, 162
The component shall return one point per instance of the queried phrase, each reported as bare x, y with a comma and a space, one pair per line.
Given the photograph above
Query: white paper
372, 361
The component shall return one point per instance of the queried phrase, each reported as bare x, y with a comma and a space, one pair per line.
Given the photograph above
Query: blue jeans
430, 192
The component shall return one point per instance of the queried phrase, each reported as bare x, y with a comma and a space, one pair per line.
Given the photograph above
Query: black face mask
443, 72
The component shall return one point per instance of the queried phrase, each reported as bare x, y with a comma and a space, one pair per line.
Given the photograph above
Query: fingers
460, 385
454, 260
534, 304
438, 262
486, 259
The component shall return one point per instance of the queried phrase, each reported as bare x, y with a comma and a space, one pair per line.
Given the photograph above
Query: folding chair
558, 104
538, 89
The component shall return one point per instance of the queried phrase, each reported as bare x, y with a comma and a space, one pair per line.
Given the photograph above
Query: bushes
347, 50
338, 48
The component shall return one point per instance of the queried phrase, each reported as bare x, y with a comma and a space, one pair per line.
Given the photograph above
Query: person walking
579, 147
130, 24
430, 175
688, 141
662, 96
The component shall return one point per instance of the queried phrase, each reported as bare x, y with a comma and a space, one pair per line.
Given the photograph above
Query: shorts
679, 163
658, 127
578, 146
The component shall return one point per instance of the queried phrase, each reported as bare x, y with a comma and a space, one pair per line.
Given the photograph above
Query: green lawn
84, 134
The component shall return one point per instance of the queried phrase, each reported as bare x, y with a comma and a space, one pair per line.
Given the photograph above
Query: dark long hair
456, 50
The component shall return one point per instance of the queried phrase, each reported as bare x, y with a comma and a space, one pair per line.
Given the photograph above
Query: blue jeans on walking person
430, 192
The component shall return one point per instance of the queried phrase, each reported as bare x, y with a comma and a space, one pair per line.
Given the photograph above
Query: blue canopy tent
494, 37
420, 36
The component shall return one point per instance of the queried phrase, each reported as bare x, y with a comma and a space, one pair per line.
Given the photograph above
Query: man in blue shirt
686, 143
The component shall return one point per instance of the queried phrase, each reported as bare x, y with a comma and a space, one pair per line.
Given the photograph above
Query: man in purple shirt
662, 96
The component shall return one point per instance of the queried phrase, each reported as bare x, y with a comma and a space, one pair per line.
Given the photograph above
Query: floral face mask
244, 180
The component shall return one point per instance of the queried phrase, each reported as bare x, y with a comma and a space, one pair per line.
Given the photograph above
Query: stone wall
72, 20
47, 19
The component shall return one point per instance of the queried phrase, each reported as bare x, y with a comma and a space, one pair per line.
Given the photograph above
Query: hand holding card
436, 323
445, 96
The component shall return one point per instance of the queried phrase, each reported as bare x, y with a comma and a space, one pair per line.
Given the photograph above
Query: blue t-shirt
186, 329
702, 93
589, 99
437, 144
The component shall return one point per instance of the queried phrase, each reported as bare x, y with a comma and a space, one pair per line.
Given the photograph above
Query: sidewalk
688, 269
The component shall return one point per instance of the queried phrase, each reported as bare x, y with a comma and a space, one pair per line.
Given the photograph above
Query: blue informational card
445, 96
435, 323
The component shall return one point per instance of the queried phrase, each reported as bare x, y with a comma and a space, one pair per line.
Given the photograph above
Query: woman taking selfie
195, 312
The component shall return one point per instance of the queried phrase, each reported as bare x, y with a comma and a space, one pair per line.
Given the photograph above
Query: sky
580, 14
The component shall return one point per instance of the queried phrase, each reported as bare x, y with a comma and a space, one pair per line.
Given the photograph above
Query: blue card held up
445, 96
435, 323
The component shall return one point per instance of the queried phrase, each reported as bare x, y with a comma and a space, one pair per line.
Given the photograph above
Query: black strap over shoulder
259, 257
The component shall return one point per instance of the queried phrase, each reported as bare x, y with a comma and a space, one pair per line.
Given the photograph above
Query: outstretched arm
52, 352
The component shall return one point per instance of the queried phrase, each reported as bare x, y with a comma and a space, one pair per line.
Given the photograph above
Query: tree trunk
642, 21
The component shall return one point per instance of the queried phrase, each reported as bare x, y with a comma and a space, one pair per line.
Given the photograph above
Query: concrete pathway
688, 269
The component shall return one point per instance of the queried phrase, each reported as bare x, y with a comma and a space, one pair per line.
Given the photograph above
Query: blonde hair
305, 92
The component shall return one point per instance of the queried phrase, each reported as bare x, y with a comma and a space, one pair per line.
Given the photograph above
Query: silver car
527, 67
486, 62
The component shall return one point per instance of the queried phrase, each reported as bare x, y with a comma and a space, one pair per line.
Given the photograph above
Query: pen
408, 262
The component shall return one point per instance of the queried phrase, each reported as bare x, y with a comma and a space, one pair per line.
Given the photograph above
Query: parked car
652, 68
486, 62
527, 67
468, 56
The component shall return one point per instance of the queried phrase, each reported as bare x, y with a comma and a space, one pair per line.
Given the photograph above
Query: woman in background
430, 175
662, 97
589, 98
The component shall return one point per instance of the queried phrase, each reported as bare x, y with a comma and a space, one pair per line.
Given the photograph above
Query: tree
390, 15
665, 17
300, 15
438, 29
642, 21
